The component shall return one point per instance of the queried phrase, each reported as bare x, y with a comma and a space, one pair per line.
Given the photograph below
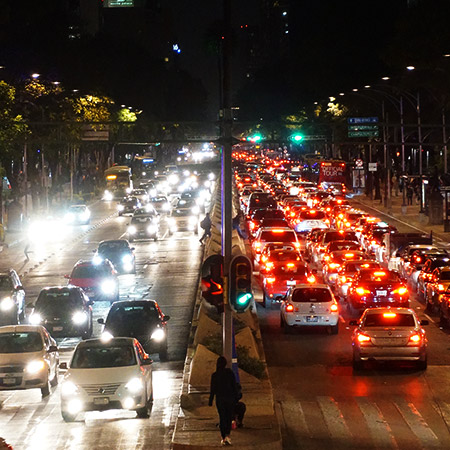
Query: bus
118, 182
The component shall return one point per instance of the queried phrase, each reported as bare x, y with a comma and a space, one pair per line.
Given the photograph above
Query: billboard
118, 4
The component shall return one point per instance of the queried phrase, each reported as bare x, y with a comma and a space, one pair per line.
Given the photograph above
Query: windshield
90, 271
5, 283
102, 357
108, 247
137, 317
25, 342
61, 300
181, 212
445, 276
389, 320
311, 295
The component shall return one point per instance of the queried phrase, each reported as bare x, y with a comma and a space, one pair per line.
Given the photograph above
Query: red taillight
415, 338
343, 279
401, 290
363, 338
311, 279
252, 225
334, 265
441, 287
271, 280
289, 307
361, 291
334, 307
269, 265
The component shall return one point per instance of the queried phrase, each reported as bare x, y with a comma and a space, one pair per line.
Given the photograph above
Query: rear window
284, 256
353, 267
26, 342
57, 299
278, 236
389, 320
90, 271
312, 215
311, 295
445, 276
289, 271
337, 236
383, 276
342, 245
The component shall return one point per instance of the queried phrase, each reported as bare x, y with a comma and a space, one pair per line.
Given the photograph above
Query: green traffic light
244, 299
297, 137
255, 138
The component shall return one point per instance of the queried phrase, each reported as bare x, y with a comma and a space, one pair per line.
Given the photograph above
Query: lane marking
429, 318
333, 418
341, 319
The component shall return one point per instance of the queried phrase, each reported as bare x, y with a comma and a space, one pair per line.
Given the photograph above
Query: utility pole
402, 130
444, 138
387, 181
419, 132
227, 122
25, 178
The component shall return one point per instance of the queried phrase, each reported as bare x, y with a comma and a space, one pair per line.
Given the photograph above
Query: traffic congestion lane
167, 271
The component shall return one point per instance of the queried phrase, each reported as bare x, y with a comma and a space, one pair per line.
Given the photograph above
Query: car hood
103, 375
19, 358
85, 282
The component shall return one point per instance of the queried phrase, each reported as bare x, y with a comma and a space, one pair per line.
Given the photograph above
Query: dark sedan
119, 252
141, 319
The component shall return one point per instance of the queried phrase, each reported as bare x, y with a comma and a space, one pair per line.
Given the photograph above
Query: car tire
334, 329
67, 417
55, 379
357, 364
163, 353
45, 390
144, 412
422, 365
286, 328
443, 321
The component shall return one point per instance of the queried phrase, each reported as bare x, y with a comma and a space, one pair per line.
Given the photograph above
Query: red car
98, 280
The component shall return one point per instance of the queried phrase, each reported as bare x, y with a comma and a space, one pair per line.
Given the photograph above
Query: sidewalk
412, 217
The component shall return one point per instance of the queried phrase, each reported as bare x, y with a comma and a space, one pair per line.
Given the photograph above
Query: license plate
381, 293
312, 319
101, 401
291, 283
9, 381
57, 328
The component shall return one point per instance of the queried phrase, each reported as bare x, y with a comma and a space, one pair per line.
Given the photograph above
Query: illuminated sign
119, 3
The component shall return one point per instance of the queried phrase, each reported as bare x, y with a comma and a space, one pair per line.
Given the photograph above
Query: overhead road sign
359, 163
369, 134
362, 127
373, 167
359, 120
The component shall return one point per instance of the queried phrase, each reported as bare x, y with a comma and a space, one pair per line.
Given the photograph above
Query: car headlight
7, 304
108, 196
35, 366
195, 210
192, 220
69, 217
158, 335
165, 207
35, 319
128, 190
108, 287
152, 229
79, 318
68, 388
135, 385
127, 258
97, 259
171, 221
132, 229
120, 207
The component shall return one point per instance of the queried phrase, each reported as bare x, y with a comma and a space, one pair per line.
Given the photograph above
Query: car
12, 298
119, 252
97, 279
144, 225
266, 235
78, 215
406, 253
142, 319
182, 219
438, 284
161, 204
377, 287
425, 274
254, 222
318, 249
347, 273
331, 267
141, 195
309, 219
309, 305
280, 278
29, 358
105, 374
389, 334
258, 200
128, 205
417, 261
65, 311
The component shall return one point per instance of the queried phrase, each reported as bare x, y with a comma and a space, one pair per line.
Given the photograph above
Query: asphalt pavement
167, 271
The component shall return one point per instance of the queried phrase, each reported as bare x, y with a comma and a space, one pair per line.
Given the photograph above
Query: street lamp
410, 67
35, 76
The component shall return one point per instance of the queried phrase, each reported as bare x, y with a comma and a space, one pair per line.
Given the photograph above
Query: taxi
439, 283
266, 235
331, 267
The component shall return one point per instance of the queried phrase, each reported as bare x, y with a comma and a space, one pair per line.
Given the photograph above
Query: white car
29, 358
309, 305
107, 373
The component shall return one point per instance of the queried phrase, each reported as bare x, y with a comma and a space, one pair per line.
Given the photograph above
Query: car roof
70, 287
120, 341
398, 310
133, 302
21, 328
315, 286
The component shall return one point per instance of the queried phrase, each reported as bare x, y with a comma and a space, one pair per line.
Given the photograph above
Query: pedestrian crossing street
365, 423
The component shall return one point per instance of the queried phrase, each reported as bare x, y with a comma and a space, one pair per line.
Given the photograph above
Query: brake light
374, 243
441, 287
252, 225
418, 259
361, 291
401, 290
311, 279
334, 307
343, 279
389, 315
269, 265
271, 280
379, 274
363, 338
297, 244
290, 265
263, 258
347, 224
289, 307
326, 257
278, 231
415, 338
349, 255
334, 265
292, 214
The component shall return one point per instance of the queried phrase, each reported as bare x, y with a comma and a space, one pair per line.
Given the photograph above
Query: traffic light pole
227, 322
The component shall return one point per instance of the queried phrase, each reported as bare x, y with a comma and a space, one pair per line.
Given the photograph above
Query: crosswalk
332, 423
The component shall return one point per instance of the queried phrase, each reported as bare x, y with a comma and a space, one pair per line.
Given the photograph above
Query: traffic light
240, 283
255, 138
297, 137
212, 281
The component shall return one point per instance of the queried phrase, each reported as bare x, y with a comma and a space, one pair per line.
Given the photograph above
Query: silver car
389, 334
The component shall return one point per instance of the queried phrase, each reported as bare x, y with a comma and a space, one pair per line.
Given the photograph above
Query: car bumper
58, 329
296, 319
390, 353
19, 379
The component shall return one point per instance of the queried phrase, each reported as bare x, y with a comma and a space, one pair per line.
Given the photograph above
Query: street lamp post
387, 181
444, 139
419, 132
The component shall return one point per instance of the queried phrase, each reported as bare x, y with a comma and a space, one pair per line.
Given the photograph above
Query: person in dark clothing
206, 225
224, 388
237, 225
239, 409
409, 194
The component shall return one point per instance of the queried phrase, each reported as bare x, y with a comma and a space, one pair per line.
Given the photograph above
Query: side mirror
67, 276
101, 321
52, 349
132, 249
63, 366
93, 251
353, 323
166, 318
424, 322
147, 362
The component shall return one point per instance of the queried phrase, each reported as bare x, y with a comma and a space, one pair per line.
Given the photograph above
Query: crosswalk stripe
444, 411
294, 416
379, 429
417, 424
333, 418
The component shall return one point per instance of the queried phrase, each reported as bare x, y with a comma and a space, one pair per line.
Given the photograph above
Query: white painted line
333, 418
145, 266
342, 320
429, 318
